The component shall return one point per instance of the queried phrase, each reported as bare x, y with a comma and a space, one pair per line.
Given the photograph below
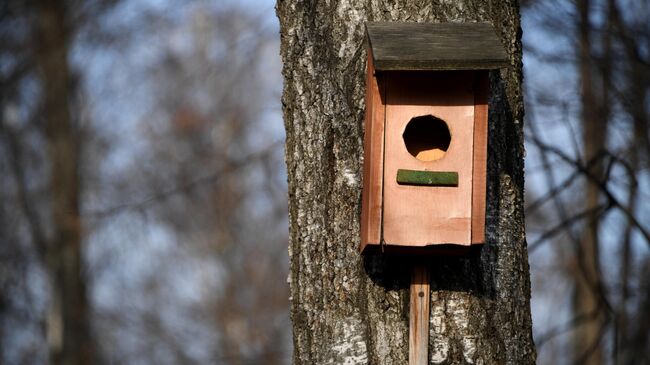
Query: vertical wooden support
419, 315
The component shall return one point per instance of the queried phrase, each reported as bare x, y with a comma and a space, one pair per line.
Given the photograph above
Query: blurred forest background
143, 216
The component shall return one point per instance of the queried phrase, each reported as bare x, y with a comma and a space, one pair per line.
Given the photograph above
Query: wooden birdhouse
426, 125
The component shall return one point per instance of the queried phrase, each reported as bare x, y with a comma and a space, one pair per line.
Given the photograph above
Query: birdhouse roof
435, 46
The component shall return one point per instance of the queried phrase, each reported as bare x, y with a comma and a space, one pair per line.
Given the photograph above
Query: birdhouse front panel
429, 136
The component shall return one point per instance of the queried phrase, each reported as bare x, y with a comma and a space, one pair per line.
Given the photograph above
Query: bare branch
155, 198
597, 181
564, 224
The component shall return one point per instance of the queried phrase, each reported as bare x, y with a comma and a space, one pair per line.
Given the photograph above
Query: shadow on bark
448, 273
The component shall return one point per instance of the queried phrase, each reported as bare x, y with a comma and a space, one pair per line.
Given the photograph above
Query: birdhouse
425, 144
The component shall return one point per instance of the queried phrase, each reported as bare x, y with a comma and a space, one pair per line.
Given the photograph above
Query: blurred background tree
143, 215
588, 107
143, 189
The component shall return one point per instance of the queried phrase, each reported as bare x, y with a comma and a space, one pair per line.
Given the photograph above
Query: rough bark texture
349, 309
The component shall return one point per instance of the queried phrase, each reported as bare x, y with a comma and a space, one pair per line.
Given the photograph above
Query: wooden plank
427, 178
422, 216
419, 316
373, 161
479, 188
435, 46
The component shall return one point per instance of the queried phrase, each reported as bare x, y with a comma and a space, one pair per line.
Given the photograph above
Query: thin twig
155, 198
566, 223
598, 182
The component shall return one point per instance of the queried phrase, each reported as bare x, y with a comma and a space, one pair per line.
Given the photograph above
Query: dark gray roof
435, 46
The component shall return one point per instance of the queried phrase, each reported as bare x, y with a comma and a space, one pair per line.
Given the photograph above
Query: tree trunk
67, 328
350, 309
587, 293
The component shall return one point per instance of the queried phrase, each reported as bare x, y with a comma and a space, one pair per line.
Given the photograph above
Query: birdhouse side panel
479, 191
371, 207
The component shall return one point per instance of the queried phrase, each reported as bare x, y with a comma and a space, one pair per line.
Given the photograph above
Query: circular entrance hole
427, 138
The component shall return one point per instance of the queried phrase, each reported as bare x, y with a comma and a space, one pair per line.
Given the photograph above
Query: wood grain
419, 316
481, 90
435, 46
373, 160
424, 215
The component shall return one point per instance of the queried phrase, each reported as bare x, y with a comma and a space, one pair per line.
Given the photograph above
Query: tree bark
67, 329
353, 309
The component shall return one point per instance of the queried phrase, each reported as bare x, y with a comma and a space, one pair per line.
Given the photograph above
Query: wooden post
419, 315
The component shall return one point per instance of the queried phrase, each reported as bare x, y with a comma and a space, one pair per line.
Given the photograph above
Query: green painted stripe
427, 178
